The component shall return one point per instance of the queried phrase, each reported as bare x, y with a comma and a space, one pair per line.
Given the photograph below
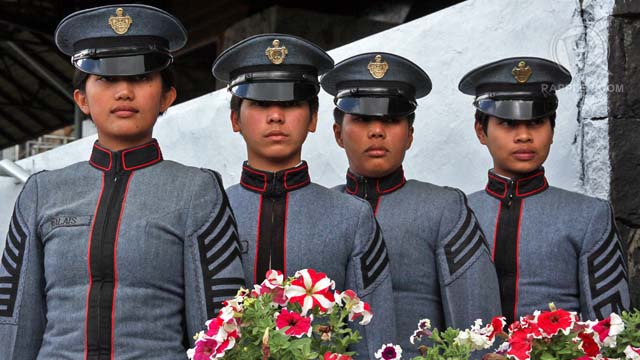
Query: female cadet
125, 255
440, 264
548, 244
287, 222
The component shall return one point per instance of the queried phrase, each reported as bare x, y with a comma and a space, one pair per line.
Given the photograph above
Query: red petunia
297, 325
589, 345
521, 342
497, 325
552, 322
333, 356
357, 308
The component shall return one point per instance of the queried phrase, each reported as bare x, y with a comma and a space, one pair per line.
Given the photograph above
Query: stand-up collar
134, 158
275, 183
367, 187
521, 187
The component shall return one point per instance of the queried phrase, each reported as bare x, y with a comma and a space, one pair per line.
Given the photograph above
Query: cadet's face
375, 147
274, 131
124, 109
517, 147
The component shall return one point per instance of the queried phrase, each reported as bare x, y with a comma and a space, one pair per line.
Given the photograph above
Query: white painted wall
446, 44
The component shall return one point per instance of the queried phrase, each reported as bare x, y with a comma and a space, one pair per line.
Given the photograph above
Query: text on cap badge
276, 54
378, 67
120, 23
522, 72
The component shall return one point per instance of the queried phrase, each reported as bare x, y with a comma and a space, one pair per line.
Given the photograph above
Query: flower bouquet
560, 335
301, 317
451, 344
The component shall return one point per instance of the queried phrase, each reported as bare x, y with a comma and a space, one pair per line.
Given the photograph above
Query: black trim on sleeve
12, 264
220, 238
375, 259
610, 256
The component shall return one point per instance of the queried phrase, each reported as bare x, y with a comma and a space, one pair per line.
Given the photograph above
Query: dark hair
167, 75
483, 119
338, 117
236, 102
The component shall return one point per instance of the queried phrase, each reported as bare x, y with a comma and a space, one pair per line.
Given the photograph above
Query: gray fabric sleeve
604, 286
369, 274
22, 305
468, 280
213, 268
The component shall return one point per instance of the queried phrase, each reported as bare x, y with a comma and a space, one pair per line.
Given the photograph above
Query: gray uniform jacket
552, 245
288, 223
440, 262
125, 256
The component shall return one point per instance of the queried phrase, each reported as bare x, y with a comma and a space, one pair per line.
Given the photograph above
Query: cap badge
277, 53
120, 23
522, 72
378, 67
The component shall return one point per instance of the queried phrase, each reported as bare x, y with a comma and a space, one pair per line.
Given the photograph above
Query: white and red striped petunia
311, 289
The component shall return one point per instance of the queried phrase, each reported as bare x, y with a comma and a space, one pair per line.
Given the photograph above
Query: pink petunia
296, 324
210, 348
311, 289
272, 284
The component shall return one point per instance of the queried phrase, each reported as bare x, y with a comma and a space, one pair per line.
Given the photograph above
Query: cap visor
124, 65
375, 106
275, 91
518, 109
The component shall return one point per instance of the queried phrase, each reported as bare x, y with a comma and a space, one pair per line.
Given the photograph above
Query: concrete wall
446, 44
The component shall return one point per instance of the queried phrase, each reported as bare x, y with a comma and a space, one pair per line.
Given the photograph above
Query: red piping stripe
391, 189
108, 153
375, 211
151, 162
495, 233
284, 235
535, 191
264, 187
515, 303
354, 180
287, 187
504, 193
255, 262
93, 223
115, 269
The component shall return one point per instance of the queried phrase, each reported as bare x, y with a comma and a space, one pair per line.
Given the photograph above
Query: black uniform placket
99, 326
271, 244
274, 189
372, 189
511, 194
505, 255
